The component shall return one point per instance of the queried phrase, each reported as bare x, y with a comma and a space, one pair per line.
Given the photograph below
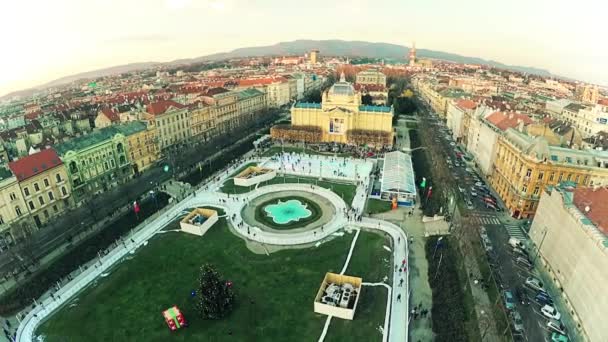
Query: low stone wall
210, 218
266, 174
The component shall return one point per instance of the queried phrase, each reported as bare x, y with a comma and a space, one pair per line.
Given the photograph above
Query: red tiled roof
160, 107
504, 120
112, 115
261, 81
603, 102
34, 164
33, 115
597, 201
466, 104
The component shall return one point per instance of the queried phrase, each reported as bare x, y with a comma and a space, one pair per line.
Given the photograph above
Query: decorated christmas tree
215, 296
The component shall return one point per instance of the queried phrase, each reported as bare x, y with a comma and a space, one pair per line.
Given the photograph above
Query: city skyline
68, 37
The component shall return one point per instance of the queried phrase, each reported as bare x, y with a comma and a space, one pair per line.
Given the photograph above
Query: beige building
171, 120
525, 166
314, 56
142, 146
44, 185
12, 208
202, 121
371, 77
570, 235
587, 93
340, 118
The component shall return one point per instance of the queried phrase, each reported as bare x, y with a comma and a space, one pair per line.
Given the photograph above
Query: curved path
233, 204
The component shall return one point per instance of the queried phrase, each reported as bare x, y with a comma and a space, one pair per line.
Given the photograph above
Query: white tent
398, 178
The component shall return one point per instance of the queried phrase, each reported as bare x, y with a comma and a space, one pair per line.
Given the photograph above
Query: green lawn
274, 293
262, 216
346, 191
371, 308
376, 206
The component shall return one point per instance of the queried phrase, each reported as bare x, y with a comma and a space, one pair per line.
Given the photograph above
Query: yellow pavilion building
340, 118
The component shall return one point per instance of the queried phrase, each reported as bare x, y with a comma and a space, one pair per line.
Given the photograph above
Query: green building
99, 160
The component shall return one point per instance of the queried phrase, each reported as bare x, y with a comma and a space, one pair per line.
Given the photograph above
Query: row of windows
51, 197
46, 182
166, 121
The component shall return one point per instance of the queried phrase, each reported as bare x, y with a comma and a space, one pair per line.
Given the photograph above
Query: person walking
399, 297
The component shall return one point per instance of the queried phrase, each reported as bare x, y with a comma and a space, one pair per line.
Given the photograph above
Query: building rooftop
539, 148
377, 109
35, 164
312, 105
505, 120
248, 93
466, 104
575, 107
160, 107
5, 173
593, 203
99, 136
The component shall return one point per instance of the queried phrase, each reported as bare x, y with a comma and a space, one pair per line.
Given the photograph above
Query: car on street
489, 200
520, 252
478, 184
462, 190
557, 337
453, 144
524, 262
550, 312
509, 300
473, 192
542, 298
490, 206
514, 242
534, 283
518, 323
556, 326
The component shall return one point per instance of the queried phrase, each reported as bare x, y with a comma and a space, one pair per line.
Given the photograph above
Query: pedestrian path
485, 219
514, 230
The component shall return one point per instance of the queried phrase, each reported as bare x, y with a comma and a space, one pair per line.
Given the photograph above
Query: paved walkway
398, 327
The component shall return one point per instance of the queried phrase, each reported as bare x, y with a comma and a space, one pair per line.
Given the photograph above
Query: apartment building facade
525, 166
44, 185
570, 234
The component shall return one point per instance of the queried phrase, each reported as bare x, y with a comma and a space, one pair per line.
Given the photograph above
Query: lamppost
540, 245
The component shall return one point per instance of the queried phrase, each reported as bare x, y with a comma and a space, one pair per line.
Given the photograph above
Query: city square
336, 229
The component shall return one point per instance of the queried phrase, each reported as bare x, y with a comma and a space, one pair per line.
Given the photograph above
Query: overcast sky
46, 39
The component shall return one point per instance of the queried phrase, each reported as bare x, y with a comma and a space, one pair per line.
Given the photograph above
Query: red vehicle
174, 318
489, 200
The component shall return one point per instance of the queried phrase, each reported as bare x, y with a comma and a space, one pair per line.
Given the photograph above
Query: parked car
557, 337
522, 296
543, 299
473, 193
490, 206
489, 200
534, 284
509, 300
514, 242
556, 326
461, 189
550, 312
518, 324
520, 252
478, 184
524, 262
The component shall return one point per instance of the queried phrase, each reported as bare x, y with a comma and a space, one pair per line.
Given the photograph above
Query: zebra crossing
514, 230
486, 219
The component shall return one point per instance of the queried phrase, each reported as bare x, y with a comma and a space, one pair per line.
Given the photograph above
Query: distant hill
83, 75
354, 49
297, 47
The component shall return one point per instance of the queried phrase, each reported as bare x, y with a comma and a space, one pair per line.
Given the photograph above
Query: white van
515, 243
